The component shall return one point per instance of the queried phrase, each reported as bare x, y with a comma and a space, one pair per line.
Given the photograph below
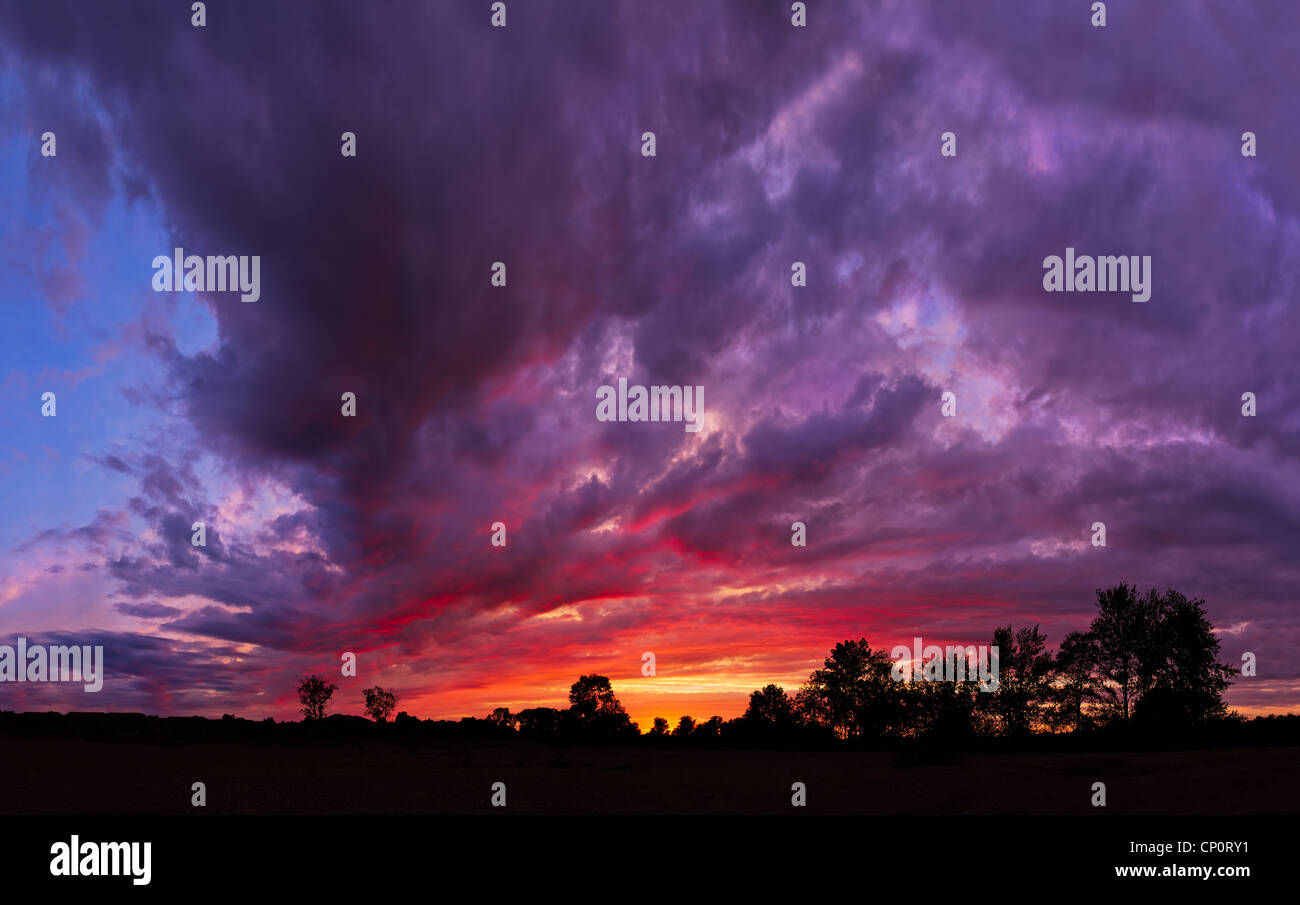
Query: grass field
62, 776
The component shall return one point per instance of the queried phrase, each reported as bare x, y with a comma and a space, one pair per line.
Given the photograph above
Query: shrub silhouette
379, 703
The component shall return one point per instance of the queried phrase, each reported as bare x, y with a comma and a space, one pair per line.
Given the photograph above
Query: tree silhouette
314, 693
1127, 654
1146, 658
594, 708
1076, 682
501, 717
540, 720
379, 703
710, 728
854, 693
770, 705
1189, 680
1024, 680
943, 711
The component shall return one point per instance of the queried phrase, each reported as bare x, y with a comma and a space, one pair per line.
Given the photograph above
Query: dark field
63, 776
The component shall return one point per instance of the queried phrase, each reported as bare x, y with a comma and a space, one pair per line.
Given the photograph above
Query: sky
476, 403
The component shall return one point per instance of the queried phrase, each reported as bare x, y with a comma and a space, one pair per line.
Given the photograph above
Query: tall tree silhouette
1024, 679
1125, 634
314, 693
1189, 679
1076, 681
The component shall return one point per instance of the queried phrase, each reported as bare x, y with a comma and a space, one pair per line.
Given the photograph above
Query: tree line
1147, 660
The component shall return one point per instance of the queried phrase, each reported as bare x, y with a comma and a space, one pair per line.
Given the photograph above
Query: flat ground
63, 776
